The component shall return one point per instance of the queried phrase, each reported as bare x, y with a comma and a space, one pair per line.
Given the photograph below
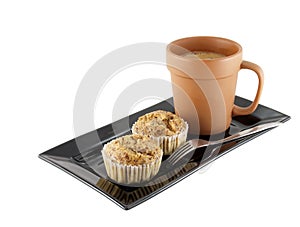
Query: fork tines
180, 152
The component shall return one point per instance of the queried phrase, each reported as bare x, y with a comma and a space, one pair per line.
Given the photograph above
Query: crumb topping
133, 150
159, 123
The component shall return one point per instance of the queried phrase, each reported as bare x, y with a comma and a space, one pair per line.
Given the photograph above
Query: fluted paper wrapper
128, 174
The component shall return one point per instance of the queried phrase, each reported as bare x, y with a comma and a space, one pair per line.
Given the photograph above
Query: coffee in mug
203, 54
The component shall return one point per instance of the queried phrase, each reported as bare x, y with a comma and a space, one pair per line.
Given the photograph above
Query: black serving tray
78, 164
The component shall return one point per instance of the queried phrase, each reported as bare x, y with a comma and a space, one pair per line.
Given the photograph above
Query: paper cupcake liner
128, 174
169, 143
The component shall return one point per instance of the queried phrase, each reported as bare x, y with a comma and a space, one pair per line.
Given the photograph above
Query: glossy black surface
68, 158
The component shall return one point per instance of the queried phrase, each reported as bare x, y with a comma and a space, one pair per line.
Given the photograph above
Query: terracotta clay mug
204, 89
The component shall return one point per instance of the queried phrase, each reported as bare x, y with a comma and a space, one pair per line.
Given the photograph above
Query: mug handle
237, 110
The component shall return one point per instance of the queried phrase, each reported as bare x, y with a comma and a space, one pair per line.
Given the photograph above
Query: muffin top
159, 123
133, 150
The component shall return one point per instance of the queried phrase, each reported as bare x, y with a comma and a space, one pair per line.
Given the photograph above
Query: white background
45, 50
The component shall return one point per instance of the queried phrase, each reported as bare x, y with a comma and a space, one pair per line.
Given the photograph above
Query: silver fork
193, 144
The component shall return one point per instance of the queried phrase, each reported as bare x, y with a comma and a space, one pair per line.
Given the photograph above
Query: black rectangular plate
68, 158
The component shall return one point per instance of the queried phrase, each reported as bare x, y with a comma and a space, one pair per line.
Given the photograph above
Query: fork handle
247, 132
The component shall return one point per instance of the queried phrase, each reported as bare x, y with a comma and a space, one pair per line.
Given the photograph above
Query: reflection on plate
89, 168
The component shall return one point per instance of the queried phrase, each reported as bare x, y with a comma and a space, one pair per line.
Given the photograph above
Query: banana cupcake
168, 129
132, 159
